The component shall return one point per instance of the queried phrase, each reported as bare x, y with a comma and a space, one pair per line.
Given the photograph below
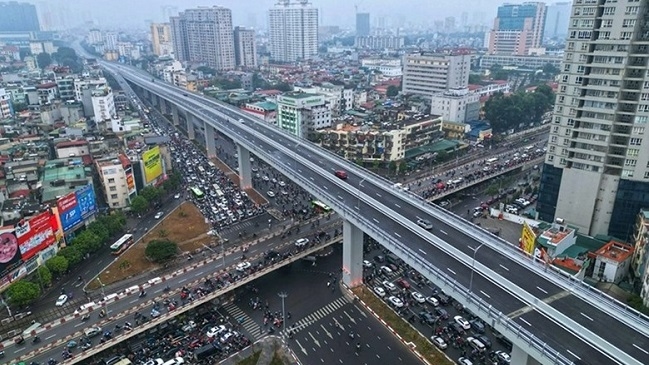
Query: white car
215, 331
389, 286
367, 264
159, 215
462, 322
177, 196
301, 242
61, 300
464, 361
92, 331
425, 224
243, 266
270, 194
395, 302
432, 301
386, 270
503, 357
439, 342
265, 178
282, 184
418, 297
379, 291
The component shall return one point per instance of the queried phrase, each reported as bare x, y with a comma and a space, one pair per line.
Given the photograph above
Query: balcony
635, 74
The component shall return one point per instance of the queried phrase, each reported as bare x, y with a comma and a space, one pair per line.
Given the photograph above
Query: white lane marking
79, 324
641, 349
199, 273
397, 205
300, 171
526, 322
503, 267
379, 195
443, 232
324, 187
357, 207
485, 294
452, 272
19, 350
585, 316
134, 301
340, 197
182, 281
52, 336
333, 168
573, 354
542, 290
375, 220
396, 234
311, 178
422, 251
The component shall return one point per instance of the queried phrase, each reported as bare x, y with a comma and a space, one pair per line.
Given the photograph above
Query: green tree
44, 275
100, 230
23, 292
66, 56
174, 181
43, 59
392, 91
151, 194
475, 79
549, 69
115, 222
72, 254
283, 86
57, 265
161, 250
87, 242
139, 204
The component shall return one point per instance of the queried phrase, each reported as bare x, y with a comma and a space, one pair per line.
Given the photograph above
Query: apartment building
161, 39
517, 28
456, 105
293, 30
117, 182
301, 114
245, 47
427, 74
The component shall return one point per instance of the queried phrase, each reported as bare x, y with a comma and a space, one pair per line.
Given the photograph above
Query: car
265, 178
476, 344
427, 318
92, 331
462, 322
432, 301
302, 242
215, 331
395, 302
444, 203
282, 184
61, 300
442, 313
389, 286
503, 357
418, 297
485, 340
243, 266
341, 174
367, 264
477, 325
403, 283
177, 196
270, 194
379, 291
386, 270
159, 215
157, 361
425, 224
464, 361
241, 121
439, 342
379, 258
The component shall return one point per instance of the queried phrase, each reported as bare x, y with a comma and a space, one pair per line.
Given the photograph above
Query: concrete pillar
519, 356
245, 173
210, 143
190, 126
154, 100
174, 115
352, 255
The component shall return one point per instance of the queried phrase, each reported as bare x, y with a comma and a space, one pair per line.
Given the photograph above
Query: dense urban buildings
204, 35
293, 31
161, 39
596, 175
379, 42
245, 47
362, 24
517, 28
456, 105
427, 74
18, 17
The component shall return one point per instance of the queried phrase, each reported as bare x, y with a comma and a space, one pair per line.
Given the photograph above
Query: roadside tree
139, 204
161, 250
57, 265
23, 292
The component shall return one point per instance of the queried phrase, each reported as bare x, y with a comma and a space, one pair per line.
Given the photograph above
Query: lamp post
103, 295
475, 251
358, 203
283, 295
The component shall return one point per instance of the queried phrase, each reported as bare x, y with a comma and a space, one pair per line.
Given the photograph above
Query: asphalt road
115, 308
317, 168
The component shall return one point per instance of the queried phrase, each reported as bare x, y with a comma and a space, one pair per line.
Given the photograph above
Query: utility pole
283, 295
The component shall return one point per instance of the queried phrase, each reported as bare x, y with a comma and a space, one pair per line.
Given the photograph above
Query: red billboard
36, 234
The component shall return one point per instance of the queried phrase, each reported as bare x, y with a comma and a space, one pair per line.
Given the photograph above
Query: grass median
409, 335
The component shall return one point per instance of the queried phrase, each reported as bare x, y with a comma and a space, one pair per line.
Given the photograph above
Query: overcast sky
253, 12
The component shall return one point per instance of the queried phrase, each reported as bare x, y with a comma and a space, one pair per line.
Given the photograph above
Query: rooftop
554, 235
615, 251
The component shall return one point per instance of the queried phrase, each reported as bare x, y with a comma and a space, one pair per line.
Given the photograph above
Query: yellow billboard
152, 164
528, 239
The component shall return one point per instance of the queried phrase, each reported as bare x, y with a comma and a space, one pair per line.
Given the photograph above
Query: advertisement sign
86, 201
152, 164
10, 257
69, 211
130, 183
36, 234
528, 239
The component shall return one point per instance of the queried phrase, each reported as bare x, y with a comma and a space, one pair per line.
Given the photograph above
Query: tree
23, 292
392, 91
87, 242
115, 222
57, 265
283, 86
139, 204
43, 59
100, 230
72, 254
173, 182
161, 250
66, 56
475, 79
549, 69
150, 193
44, 275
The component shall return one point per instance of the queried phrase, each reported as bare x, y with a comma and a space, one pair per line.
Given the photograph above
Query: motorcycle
166, 289
36, 339
142, 294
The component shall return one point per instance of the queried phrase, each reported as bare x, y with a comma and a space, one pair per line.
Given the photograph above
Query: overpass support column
519, 356
155, 100
210, 143
190, 126
174, 115
352, 255
245, 173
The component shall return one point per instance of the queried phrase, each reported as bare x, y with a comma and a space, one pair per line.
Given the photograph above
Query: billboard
528, 239
69, 211
36, 234
10, 257
86, 201
130, 183
152, 164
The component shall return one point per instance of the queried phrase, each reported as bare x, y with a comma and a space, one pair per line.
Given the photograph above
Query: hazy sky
253, 12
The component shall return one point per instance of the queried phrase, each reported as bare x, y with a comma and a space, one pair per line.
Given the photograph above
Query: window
638, 130
646, 176
113, 188
641, 119
633, 152
113, 196
553, 139
607, 23
111, 180
609, 10
626, 35
631, 10
635, 141
628, 23
630, 162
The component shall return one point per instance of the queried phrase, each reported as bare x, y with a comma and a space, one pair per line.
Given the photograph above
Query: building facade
293, 31
116, 176
204, 35
596, 173
456, 105
301, 114
6, 110
245, 47
534, 62
428, 74
161, 39
517, 28
388, 67
362, 24
103, 104
379, 42
18, 17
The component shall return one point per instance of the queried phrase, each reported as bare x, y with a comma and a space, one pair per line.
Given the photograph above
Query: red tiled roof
19, 193
270, 92
124, 160
86, 159
47, 85
75, 143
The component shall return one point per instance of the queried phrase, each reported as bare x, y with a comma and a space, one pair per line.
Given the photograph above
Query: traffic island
409, 335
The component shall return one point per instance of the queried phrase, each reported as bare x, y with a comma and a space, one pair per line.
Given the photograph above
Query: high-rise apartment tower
245, 48
293, 30
362, 24
18, 17
161, 38
428, 74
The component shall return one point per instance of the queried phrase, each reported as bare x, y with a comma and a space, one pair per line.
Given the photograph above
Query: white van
85, 307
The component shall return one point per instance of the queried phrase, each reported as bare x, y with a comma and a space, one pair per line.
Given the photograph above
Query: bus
320, 206
197, 192
492, 161
122, 244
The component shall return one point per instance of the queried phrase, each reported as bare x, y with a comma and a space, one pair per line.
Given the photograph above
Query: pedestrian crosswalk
253, 329
247, 225
317, 315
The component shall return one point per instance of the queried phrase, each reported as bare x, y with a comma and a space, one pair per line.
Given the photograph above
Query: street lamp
475, 251
103, 295
358, 203
283, 295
